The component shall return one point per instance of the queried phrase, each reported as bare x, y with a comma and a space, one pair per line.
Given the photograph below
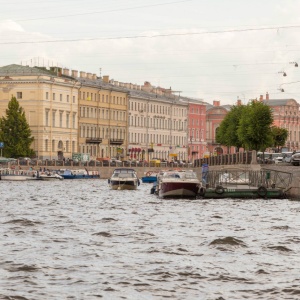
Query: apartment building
102, 121
196, 129
286, 115
214, 116
50, 101
157, 123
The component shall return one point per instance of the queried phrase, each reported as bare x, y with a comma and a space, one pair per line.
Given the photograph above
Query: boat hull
80, 176
123, 184
178, 189
149, 179
16, 177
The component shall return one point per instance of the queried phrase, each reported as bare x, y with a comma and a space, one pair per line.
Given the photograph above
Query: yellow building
50, 101
102, 117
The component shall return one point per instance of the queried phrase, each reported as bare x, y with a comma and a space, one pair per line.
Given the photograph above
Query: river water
77, 239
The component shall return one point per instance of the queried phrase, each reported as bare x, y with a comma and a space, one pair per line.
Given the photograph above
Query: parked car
295, 159
287, 156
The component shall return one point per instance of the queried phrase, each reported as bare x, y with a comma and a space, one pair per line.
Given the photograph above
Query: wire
105, 11
151, 36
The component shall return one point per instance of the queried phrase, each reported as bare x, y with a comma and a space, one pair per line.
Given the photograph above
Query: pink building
196, 130
214, 116
286, 115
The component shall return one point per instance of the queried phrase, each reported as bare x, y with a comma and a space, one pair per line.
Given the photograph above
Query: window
68, 98
47, 118
73, 146
60, 97
74, 99
47, 95
74, 120
60, 119
19, 95
67, 120
53, 118
53, 96
46, 145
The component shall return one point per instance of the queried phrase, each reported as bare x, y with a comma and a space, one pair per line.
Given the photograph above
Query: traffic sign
1, 145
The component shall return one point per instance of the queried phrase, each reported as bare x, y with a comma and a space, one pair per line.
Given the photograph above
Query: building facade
50, 101
196, 129
214, 116
157, 121
286, 115
103, 115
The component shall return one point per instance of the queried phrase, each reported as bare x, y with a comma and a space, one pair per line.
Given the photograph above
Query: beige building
102, 117
157, 121
50, 100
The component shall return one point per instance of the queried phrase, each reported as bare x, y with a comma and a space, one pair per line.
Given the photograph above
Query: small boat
150, 177
49, 176
124, 179
178, 183
78, 174
18, 175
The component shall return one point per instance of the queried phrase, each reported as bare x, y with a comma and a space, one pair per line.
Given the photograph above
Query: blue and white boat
78, 174
150, 177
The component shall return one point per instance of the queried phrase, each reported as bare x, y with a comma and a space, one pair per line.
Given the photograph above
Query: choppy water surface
81, 240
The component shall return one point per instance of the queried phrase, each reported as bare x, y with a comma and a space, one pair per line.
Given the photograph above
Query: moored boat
49, 176
18, 175
150, 177
124, 179
178, 184
78, 174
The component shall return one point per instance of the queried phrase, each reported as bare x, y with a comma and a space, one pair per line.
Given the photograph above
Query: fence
226, 159
267, 178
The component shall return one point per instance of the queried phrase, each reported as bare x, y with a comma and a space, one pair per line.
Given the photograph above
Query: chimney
267, 96
261, 98
82, 74
66, 71
94, 77
74, 73
239, 102
89, 75
216, 103
106, 78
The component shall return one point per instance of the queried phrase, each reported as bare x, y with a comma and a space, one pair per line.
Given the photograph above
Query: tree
279, 135
254, 130
15, 131
227, 132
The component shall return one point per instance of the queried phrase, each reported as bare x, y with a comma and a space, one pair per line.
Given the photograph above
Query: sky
205, 49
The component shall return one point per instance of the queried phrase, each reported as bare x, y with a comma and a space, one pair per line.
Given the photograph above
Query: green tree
227, 132
15, 132
280, 136
254, 130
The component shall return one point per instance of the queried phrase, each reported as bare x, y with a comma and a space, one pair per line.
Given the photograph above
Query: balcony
93, 141
116, 142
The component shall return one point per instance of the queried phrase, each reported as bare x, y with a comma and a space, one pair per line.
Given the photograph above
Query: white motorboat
178, 184
124, 179
49, 176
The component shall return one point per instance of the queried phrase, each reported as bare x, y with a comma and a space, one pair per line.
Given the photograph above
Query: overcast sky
207, 49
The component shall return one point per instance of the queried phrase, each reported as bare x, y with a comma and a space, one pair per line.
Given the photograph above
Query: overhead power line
104, 11
152, 36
